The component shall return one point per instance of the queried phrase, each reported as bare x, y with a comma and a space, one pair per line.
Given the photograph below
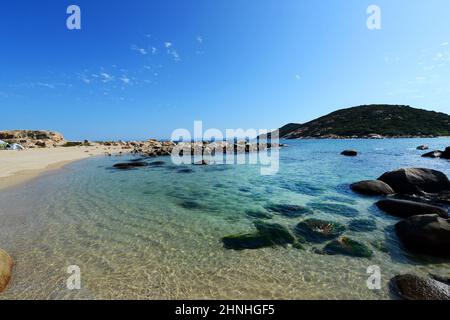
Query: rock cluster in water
418, 197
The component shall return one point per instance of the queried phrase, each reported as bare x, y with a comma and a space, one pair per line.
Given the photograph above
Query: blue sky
139, 68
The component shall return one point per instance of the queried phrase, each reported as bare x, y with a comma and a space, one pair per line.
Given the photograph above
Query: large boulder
406, 208
446, 153
372, 188
416, 181
411, 287
425, 234
6, 265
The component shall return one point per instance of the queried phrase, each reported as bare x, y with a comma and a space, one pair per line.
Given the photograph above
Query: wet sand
17, 167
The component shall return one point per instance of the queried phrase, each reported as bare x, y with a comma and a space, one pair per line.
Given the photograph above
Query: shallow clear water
135, 235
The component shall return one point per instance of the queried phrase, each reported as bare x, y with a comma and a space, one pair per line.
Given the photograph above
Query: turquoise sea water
155, 232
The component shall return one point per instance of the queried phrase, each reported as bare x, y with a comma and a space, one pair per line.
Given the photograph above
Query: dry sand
20, 166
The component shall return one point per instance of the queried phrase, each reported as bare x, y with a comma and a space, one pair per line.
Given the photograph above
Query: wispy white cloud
125, 79
168, 44
140, 50
106, 77
199, 39
298, 77
46, 85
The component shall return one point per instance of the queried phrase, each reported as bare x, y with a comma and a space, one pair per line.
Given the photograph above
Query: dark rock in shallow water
267, 235
349, 153
423, 147
246, 241
185, 170
411, 287
433, 154
348, 247
416, 181
427, 234
259, 214
334, 208
289, 210
245, 189
157, 163
317, 231
130, 165
362, 225
380, 245
372, 188
406, 208
276, 232
190, 204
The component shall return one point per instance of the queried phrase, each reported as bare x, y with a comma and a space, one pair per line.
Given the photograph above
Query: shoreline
22, 166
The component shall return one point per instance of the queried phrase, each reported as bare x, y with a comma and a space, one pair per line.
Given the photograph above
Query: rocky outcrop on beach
6, 265
411, 287
33, 138
157, 148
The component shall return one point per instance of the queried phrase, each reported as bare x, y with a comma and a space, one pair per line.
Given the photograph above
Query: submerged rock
406, 208
334, 208
426, 234
289, 210
276, 232
416, 181
348, 247
423, 147
411, 287
349, 153
130, 165
362, 225
339, 199
157, 163
185, 170
259, 214
267, 235
317, 231
372, 188
6, 265
190, 204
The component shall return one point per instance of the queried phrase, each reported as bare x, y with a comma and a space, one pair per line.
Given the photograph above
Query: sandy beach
21, 166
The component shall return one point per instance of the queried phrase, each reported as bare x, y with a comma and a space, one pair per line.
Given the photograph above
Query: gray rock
425, 234
423, 147
411, 287
372, 188
349, 153
416, 181
406, 208
6, 265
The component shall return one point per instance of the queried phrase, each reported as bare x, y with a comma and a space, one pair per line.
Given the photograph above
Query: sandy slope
20, 166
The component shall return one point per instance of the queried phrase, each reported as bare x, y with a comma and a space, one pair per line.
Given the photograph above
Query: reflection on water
155, 233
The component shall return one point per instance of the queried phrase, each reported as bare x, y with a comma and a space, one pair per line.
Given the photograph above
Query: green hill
370, 121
